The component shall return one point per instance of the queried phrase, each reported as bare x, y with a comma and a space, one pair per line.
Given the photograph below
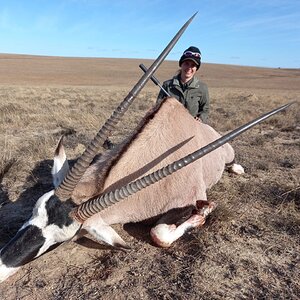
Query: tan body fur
169, 136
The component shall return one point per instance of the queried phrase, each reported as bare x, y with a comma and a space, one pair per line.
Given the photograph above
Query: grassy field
248, 249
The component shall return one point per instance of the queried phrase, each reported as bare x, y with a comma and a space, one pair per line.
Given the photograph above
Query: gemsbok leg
164, 234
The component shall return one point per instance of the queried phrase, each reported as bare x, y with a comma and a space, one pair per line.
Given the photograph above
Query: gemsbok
161, 172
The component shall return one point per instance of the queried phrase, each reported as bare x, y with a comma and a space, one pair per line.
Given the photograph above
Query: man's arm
204, 106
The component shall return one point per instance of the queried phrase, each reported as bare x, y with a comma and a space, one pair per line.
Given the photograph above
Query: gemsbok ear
60, 164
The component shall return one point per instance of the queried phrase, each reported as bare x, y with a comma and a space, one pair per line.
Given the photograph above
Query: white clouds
283, 22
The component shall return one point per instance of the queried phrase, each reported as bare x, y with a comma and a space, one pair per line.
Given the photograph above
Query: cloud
286, 22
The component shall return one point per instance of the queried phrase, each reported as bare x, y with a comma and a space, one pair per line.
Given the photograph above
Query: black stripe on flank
23, 247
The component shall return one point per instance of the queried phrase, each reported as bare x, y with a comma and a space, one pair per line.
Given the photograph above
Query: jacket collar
193, 83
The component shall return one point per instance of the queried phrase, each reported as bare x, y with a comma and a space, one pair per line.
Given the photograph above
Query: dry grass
249, 248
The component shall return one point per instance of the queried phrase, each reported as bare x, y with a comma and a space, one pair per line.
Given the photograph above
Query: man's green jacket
193, 95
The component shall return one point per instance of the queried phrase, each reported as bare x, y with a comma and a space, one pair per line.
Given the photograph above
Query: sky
263, 33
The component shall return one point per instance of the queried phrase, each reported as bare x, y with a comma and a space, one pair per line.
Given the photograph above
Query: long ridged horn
69, 183
95, 205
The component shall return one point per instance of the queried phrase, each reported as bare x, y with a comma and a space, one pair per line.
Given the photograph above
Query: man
187, 88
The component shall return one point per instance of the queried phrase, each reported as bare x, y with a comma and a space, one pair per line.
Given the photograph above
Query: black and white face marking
49, 225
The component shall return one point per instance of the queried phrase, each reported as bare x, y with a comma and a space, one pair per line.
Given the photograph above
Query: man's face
188, 70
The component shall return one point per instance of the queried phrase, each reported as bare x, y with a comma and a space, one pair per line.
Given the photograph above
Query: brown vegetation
248, 249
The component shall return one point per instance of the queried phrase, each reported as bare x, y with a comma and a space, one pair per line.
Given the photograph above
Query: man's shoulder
197, 83
171, 81
167, 82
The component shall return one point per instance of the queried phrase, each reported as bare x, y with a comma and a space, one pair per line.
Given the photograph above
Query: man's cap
192, 53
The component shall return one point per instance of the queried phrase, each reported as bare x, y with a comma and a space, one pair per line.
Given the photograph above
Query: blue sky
240, 32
